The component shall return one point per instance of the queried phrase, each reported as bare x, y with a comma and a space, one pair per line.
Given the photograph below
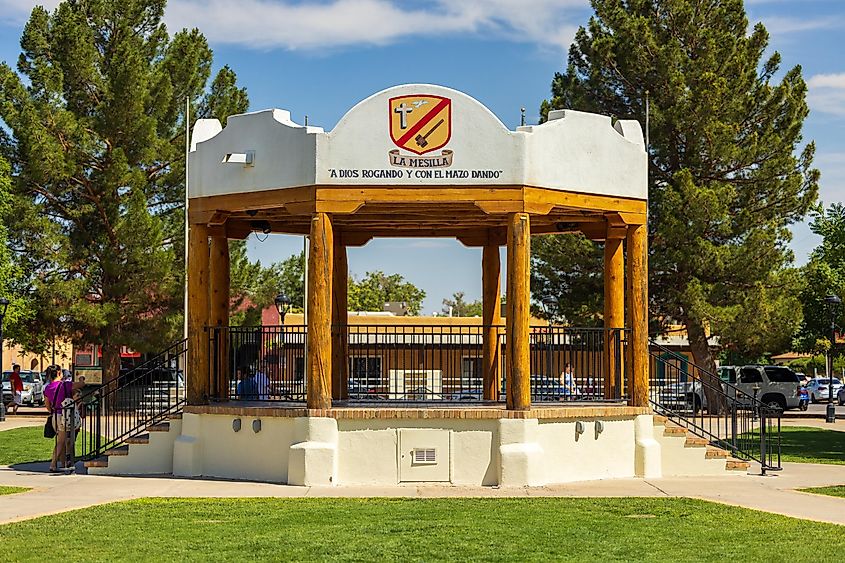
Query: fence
416, 363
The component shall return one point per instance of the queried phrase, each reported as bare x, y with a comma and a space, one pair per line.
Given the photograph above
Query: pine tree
97, 119
725, 179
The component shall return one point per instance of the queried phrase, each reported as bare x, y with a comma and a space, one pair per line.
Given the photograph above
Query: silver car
33, 388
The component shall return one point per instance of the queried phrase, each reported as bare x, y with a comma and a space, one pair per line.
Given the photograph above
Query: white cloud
296, 24
827, 93
777, 25
339, 23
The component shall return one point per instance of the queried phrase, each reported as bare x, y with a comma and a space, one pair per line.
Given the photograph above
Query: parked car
33, 388
819, 389
776, 386
545, 388
841, 396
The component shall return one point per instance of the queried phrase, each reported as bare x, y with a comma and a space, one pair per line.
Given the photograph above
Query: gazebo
419, 161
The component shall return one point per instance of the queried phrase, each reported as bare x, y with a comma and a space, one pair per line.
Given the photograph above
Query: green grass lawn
812, 445
12, 490
837, 491
22, 445
25, 445
539, 529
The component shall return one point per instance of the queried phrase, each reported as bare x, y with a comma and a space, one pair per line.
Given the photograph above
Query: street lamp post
833, 301
4, 304
548, 306
282, 302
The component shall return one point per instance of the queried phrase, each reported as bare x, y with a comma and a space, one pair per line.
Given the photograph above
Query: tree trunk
111, 371
704, 359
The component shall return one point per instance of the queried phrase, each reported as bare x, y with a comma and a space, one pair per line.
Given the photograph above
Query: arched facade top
419, 135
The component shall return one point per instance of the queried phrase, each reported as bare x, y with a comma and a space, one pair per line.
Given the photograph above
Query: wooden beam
320, 264
518, 312
614, 314
198, 315
219, 313
491, 291
638, 314
340, 279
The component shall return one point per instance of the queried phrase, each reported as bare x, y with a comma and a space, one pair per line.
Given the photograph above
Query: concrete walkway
17, 421
54, 493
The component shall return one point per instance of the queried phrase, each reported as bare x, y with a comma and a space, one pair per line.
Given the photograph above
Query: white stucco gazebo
419, 160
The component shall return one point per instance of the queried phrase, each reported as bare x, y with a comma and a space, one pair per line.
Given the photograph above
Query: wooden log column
518, 312
320, 264
198, 314
219, 313
614, 310
492, 318
340, 298
638, 314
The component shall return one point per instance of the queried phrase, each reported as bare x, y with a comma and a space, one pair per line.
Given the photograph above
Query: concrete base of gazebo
483, 445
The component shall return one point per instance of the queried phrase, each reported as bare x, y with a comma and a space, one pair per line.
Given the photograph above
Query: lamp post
548, 305
4, 304
833, 302
282, 302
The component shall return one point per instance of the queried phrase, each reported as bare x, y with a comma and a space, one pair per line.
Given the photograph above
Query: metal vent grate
425, 456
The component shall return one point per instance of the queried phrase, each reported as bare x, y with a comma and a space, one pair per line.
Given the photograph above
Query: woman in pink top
54, 394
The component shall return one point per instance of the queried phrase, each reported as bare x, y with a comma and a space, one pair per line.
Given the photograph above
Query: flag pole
187, 156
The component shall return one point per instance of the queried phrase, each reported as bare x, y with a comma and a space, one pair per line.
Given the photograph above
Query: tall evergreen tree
825, 275
97, 119
725, 179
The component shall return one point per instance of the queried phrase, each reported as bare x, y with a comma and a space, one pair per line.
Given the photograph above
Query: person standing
55, 395
17, 387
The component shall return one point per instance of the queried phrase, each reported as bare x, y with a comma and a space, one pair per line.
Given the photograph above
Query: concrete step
120, 450
715, 453
695, 442
674, 430
733, 464
659, 420
160, 427
177, 416
140, 439
102, 461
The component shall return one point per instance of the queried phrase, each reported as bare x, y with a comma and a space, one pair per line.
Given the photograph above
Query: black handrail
136, 400
746, 426
419, 363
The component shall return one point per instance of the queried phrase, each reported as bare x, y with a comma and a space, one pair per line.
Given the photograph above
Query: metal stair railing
142, 397
737, 421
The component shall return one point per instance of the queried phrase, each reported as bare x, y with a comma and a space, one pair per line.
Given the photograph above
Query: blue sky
320, 58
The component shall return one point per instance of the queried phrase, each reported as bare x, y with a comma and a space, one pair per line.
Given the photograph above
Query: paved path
18, 421
54, 493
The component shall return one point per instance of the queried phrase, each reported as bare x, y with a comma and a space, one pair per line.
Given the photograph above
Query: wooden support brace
198, 314
518, 312
491, 303
638, 314
320, 264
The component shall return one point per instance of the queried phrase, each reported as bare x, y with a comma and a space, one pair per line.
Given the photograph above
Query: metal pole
2, 403
831, 408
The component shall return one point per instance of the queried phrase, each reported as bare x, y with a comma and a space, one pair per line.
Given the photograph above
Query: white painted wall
481, 452
574, 151
573, 457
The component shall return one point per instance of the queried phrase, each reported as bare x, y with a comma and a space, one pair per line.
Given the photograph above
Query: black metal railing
577, 364
415, 362
419, 363
729, 417
257, 363
136, 400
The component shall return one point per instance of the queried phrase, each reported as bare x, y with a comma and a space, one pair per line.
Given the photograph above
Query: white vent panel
424, 455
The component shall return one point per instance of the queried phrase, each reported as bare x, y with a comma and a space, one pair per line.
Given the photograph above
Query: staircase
685, 453
142, 408
739, 429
